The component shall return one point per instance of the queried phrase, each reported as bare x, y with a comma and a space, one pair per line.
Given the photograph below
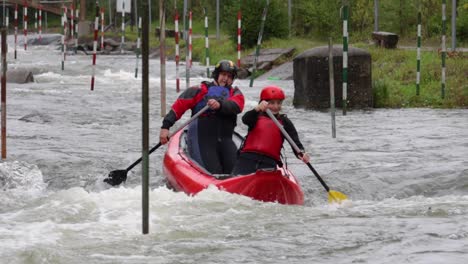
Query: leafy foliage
276, 24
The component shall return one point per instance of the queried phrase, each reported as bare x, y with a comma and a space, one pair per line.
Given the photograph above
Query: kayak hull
186, 175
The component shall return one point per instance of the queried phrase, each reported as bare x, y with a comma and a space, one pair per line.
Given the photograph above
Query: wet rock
19, 76
45, 40
36, 117
385, 39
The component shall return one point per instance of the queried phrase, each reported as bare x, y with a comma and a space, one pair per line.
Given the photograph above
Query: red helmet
272, 93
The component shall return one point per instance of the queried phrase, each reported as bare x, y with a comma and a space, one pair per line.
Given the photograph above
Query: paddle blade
336, 197
116, 177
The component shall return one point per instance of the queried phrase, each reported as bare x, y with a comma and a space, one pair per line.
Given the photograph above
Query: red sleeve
188, 99
238, 98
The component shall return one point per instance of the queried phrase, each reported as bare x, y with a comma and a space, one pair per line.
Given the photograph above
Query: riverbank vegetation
314, 21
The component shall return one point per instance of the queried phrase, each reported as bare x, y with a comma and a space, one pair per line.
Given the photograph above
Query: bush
462, 20
276, 24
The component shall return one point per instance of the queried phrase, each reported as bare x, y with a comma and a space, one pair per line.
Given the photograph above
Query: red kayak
184, 174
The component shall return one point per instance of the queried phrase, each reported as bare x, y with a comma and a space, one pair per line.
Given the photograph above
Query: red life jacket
265, 138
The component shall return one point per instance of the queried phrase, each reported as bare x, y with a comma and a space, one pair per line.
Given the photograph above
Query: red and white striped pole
72, 21
207, 46
64, 31
35, 20
40, 22
190, 39
76, 28
7, 19
177, 56
25, 24
96, 29
239, 31
102, 28
122, 41
16, 27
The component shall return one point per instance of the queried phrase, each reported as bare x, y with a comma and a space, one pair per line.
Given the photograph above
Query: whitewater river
405, 172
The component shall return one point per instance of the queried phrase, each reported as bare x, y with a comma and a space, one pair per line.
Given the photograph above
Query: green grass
393, 70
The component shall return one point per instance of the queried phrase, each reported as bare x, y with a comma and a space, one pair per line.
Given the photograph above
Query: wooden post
145, 119
3, 99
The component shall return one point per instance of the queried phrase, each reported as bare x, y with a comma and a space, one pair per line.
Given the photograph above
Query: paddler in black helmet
210, 136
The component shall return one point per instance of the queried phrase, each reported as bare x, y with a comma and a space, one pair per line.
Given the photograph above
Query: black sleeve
291, 130
250, 118
169, 120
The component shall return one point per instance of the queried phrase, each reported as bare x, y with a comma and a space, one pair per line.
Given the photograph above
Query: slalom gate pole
188, 57
444, 49
122, 40
418, 52
345, 56
162, 54
3, 92
259, 43
7, 19
77, 11
72, 22
190, 39
102, 28
16, 28
331, 79
40, 23
96, 26
65, 24
207, 46
177, 52
63, 39
145, 119
138, 47
239, 36
35, 20
6, 16
25, 24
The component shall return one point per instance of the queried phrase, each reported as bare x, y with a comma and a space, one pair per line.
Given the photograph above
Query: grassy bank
393, 71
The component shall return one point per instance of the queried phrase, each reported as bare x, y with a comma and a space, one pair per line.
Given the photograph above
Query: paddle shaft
295, 147
170, 135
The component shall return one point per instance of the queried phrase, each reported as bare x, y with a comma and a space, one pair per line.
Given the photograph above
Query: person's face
275, 106
225, 79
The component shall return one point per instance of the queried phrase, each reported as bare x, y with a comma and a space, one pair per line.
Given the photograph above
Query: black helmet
224, 66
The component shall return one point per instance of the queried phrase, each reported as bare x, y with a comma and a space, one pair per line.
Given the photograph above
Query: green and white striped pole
345, 55
444, 50
207, 46
259, 42
418, 53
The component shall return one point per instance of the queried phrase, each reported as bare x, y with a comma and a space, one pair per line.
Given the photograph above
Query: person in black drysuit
210, 136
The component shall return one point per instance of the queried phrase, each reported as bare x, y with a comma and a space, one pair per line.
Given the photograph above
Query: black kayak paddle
116, 177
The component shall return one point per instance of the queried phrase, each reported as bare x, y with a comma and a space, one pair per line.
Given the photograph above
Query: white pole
454, 25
